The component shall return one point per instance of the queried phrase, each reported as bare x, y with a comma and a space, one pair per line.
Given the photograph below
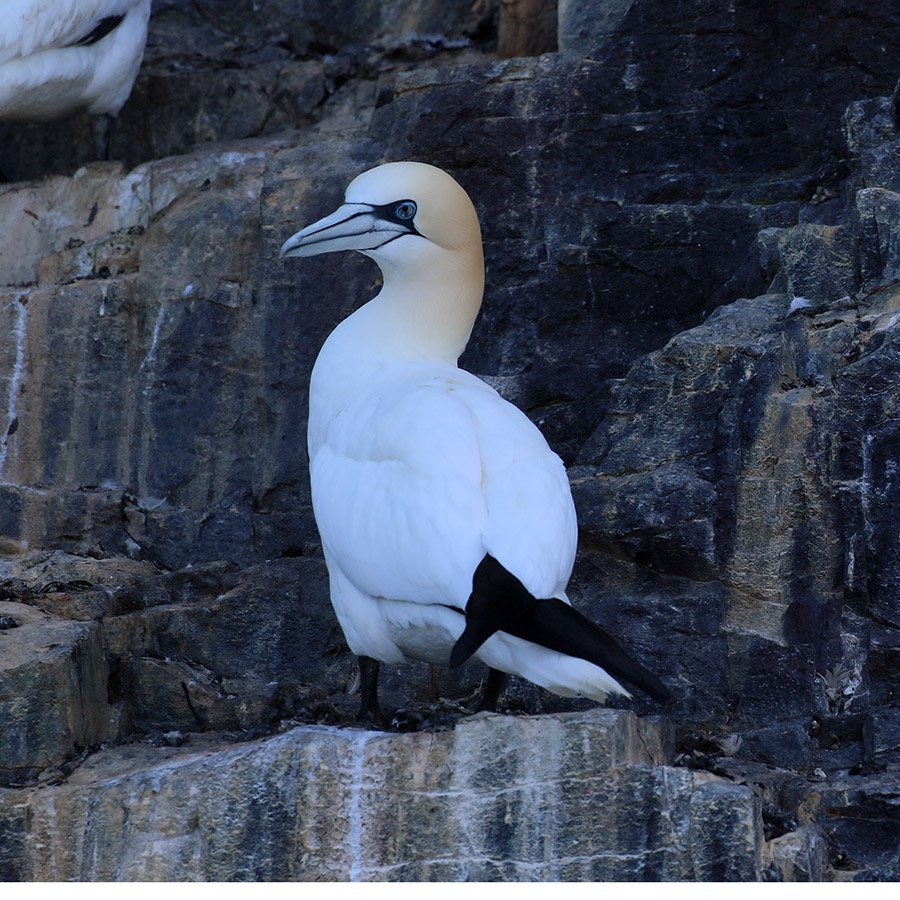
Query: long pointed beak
353, 226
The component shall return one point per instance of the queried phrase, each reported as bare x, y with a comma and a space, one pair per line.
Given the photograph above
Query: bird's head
421, 228
396, 214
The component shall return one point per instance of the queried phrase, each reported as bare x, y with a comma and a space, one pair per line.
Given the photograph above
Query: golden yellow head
390, 211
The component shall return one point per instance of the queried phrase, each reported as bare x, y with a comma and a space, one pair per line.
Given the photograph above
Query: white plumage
419, 470
58, 56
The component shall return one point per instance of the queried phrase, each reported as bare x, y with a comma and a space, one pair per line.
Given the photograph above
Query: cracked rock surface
693, 266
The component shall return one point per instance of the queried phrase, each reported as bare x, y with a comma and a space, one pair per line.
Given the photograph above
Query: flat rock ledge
582, 796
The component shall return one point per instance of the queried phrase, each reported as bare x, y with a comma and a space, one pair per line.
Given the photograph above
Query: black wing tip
474, 635
460, 653
554, 624
653, 687
639, 676
100, 30
550, 623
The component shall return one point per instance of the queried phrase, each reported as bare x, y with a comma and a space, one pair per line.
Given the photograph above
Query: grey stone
878, 166
798, 856
751, 63
224, 650
869, 123
52, 691
577, 797
71, 587
721, 812
858, 816
584, 26
881, 733
818, 263
785, 745
877, 209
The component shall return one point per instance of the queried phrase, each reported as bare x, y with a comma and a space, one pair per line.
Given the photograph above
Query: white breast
422, 470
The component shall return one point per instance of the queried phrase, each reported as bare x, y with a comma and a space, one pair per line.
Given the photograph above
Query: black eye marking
402, 212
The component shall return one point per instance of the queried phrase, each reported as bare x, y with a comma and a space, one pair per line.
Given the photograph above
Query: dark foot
101, 136
496, 681
434, 682
369, 711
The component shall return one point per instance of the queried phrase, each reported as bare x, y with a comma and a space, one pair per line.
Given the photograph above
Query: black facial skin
400, 211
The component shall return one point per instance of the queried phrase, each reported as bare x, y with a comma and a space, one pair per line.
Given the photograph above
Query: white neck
424, 313
425, 310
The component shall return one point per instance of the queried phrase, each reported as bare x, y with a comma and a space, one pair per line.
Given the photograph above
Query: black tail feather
558, 626
500, 602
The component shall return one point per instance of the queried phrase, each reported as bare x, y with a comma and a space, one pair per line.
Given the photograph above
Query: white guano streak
151, 353
19, 332
355, 832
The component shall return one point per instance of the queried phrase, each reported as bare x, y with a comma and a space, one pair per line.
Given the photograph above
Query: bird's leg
434, 682
496, 681
101, 128
369, 711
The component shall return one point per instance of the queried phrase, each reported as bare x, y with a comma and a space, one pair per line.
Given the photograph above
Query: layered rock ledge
578, 796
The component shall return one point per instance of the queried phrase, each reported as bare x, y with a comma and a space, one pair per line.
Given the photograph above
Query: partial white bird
59, 56
446, 520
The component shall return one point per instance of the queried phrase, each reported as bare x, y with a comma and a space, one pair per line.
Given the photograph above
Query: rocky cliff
690, 217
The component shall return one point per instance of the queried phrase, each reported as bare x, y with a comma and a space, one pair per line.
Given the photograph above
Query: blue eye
405, 210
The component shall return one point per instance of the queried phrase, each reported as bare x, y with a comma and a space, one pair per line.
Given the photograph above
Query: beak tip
288, 247
347, 228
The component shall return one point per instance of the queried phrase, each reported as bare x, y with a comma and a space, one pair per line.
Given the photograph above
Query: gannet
59, 56
447, 522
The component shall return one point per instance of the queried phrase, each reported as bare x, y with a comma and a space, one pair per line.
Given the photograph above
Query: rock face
52, 689
690, 221
569, 797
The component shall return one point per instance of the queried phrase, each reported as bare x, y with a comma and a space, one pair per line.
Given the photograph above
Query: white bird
447, 522
59, 56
